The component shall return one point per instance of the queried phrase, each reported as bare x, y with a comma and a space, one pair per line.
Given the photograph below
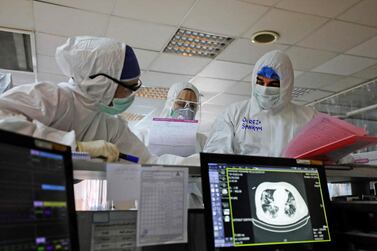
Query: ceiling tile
318, 7
367, 49
65, 21
342, 84
154, 11
50, 77
248, 77
306, 59
315, 80
142, 35
240, 88
227, 99
297, 73
291, 26
368, 73
93, 5
226, 70
228, 17
262, 2
212, 84
145, 57
345, 65
47, 64
315, 95
16, 14
363, 13
159, 79
338, 36
243, 51
205, 96
47, 44
211, 108
179, 64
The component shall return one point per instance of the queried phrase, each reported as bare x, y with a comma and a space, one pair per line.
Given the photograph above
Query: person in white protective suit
104, 74
264, 124
183, 101
5, 82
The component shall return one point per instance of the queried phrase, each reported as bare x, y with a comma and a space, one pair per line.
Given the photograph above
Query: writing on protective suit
252, 124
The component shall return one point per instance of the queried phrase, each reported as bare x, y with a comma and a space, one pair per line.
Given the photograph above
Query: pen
129, 157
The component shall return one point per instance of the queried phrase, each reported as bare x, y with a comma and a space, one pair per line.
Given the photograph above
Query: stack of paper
328, 138
173, 136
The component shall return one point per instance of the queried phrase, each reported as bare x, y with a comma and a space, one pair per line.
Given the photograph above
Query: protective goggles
185, 104
131, 86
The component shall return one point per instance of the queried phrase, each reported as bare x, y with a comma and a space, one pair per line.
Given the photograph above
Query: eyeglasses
126, 84
186, 104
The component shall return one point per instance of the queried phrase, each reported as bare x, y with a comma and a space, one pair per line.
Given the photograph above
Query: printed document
162, 213
114, 230
173, 136
123, 182
328, 138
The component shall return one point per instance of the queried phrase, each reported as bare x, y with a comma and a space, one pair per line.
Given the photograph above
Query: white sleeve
20, 124
220, 139
126, 141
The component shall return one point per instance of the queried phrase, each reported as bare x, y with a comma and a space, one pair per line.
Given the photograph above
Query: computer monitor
262, 203
36, 195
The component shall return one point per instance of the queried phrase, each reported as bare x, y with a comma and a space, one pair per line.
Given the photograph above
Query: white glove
99, 148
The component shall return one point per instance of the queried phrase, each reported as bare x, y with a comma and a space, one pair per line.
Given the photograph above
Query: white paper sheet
123, 182
162, 214
172, 136
114, 231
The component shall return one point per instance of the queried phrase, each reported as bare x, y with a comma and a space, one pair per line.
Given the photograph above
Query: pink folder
327, 138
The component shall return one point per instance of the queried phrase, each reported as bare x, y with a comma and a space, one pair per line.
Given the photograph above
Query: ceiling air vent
299, 91
153, 92
195, 43
17, 50
131, 116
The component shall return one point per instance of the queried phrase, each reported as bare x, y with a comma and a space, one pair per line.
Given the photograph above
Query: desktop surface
259, 203
36, 195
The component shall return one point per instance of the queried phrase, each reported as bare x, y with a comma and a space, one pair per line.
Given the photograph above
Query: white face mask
267, 97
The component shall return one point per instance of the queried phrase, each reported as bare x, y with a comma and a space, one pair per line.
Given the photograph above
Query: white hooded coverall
69, 111
245, 128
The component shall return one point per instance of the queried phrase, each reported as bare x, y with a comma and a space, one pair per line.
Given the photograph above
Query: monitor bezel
20, 140
206, 158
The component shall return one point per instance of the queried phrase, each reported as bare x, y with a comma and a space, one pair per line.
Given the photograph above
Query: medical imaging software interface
33, 209
261, 205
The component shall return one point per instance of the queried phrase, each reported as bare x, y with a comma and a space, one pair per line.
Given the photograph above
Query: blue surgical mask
119, 105
183, 113
267, 97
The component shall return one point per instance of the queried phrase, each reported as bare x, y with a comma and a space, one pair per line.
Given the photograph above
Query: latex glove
99, 148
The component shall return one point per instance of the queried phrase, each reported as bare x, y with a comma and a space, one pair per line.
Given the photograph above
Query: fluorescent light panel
187, 42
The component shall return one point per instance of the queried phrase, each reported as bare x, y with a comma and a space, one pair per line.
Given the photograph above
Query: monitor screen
36, 197
255, 204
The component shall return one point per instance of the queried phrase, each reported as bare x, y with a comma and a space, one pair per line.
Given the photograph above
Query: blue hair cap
131, 69
268, 72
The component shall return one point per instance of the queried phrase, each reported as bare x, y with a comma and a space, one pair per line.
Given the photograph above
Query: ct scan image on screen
254, 205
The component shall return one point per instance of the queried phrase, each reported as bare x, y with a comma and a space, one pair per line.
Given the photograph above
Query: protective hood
5, 82
173, 93
282, 65
81, 57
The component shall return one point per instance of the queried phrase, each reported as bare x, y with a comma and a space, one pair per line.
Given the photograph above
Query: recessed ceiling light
264, 37
187, 42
